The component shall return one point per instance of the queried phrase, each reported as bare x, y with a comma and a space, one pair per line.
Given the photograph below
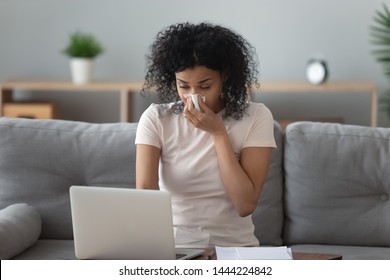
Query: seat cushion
48, 249
337, 184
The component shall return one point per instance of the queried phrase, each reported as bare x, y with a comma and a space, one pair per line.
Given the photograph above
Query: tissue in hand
194, 97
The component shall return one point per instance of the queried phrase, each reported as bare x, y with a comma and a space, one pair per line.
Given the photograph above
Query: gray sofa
327, 189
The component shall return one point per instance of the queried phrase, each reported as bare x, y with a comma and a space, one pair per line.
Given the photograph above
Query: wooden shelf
127, 89
68, 86
353, 87
350, 86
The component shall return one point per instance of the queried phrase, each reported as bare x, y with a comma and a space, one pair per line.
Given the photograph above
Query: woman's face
203, 81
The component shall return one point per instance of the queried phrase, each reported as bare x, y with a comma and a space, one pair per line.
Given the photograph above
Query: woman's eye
204, 88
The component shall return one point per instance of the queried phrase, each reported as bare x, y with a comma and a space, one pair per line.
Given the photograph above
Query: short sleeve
261, 132
149, 129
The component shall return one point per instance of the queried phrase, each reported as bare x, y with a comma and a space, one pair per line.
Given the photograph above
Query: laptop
120, 223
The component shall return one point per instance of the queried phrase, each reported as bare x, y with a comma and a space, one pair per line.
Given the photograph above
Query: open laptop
116, 223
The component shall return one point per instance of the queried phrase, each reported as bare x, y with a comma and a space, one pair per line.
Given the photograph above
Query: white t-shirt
203, 214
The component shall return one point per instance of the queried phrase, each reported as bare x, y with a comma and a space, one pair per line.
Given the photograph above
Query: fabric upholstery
41, 159
49, 249
327, 189
337, 184
268, 217
20, 227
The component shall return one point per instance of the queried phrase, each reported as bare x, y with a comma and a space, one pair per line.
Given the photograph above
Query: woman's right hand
205, 120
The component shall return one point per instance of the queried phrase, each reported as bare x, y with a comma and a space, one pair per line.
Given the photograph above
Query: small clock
316, 71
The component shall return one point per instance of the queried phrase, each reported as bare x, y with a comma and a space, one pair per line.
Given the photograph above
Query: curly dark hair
185, 45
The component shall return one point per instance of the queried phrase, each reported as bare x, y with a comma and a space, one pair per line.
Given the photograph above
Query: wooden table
296, 256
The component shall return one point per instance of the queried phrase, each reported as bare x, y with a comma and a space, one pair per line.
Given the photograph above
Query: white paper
253, 253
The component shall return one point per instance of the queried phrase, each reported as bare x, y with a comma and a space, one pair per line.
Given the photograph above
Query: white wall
285, 33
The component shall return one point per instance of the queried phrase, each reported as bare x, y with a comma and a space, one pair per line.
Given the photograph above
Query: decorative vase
81, 70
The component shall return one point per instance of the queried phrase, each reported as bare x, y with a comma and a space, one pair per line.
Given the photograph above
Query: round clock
316, 71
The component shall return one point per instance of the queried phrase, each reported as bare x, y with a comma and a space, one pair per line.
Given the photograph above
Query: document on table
253, 253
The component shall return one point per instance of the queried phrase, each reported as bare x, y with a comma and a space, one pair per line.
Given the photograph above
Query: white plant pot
81, 70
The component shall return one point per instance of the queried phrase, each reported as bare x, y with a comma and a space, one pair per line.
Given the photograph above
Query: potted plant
82, 49
380, 33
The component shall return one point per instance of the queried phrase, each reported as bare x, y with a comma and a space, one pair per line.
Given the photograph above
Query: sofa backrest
41, 159
337, 184
268, 217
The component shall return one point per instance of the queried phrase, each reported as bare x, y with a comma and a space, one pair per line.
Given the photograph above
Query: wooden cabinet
33, 110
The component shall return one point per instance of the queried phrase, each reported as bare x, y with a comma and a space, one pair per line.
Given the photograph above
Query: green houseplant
83, 45
82, 49
380, 33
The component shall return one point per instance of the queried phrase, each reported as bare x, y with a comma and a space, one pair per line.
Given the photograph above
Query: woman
214, 161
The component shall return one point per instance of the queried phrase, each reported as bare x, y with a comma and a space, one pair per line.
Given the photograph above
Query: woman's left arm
244, 179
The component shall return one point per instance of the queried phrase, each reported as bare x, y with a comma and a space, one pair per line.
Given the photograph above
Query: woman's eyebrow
200, 82
205, 80
182, 81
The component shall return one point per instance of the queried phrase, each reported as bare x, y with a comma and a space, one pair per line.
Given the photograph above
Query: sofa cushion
268, 217
337, 184
49, 249
41, 159
20, 227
